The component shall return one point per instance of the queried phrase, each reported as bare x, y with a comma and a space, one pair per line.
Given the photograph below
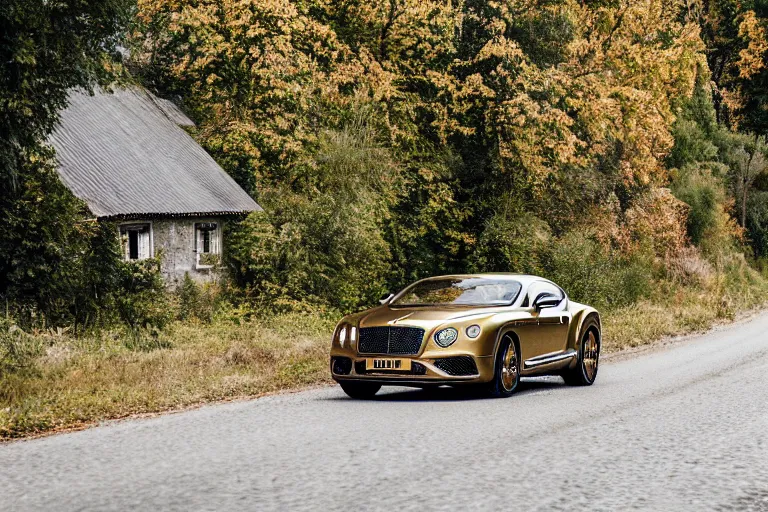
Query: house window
136, 241
207, 241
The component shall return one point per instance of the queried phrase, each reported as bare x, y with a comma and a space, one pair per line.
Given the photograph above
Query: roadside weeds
81, 382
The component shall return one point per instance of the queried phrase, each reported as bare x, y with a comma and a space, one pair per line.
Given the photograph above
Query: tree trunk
744, 206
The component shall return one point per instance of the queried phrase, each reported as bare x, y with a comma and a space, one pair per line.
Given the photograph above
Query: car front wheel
360, 390
506, 377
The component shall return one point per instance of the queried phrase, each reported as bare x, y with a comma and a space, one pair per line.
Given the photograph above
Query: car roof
523, 279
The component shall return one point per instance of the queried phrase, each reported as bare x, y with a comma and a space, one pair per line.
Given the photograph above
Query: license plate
388, 364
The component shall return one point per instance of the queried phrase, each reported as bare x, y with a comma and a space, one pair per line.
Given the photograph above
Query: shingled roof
125, 154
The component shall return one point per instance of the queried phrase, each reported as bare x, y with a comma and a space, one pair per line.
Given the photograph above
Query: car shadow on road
447, 393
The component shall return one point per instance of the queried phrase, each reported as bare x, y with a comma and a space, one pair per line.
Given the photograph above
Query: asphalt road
679, 428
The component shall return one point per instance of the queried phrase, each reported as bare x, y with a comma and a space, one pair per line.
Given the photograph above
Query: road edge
658, 345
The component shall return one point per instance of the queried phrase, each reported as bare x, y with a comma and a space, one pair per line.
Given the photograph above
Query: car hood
425, 317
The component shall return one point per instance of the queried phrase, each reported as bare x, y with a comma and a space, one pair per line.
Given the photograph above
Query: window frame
124, 228
214, 241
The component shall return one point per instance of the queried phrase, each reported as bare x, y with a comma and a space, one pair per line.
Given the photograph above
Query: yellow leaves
537, 137
644, 132
654, 223
627, 65
501, 48
752, 58
657, 220
256, 71
474, 85
601, 97
613, 91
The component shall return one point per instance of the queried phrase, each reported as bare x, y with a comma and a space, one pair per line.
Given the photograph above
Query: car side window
542, 286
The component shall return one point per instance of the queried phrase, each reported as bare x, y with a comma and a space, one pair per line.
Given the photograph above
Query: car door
551, 331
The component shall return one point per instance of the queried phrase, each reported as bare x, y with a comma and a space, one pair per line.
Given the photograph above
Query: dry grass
675, 309
78, 381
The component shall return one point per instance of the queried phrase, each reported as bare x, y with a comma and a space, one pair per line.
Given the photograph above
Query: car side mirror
546, 300
386, 298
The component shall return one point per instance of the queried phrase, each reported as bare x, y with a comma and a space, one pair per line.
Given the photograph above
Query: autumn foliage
440, 137
614, 141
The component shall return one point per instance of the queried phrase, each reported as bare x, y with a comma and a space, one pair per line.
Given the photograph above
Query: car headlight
346, 334
446, 337
473, 331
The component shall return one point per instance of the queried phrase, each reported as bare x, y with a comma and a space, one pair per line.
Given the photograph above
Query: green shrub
253, 252
143, 302
320, 250
332, 251
188, 294
60, 268
757, 223
513, 241
18, 349
323, 238
705, 194
516, 241
595, 276
198, 301
46, 248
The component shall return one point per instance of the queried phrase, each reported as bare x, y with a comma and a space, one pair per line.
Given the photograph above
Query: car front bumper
447, 369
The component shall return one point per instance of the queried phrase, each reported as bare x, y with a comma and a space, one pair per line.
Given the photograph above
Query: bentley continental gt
486, 330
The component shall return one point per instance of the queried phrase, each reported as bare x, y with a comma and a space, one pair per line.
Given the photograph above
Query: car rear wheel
506, 377
585, 372
360, 390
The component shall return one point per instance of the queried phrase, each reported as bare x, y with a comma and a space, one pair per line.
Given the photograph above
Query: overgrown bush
18, 349
322, 241
200, 301
322, 251
59, 267
579, 261
143, 301
45, 237
705, 195
596, 276
757, 223
513, 241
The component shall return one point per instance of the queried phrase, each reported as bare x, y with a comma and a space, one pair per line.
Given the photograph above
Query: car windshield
470, 291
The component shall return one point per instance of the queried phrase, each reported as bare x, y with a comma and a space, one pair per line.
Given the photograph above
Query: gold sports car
483, 329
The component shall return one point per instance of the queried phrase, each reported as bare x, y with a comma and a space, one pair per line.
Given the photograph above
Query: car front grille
457, 366
390, 340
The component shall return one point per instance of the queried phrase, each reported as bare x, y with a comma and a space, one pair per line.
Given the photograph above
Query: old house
127, 156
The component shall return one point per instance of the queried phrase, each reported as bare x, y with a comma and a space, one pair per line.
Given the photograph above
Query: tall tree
736, 35
46, 48
748, 158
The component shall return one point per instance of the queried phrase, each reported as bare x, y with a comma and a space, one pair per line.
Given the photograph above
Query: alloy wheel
591, 353
509, 368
